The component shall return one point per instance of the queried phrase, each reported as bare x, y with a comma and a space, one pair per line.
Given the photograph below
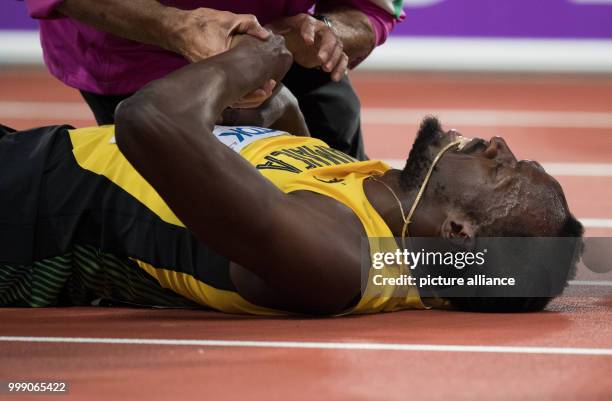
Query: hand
270, 55
313, 44
257, 97
264, 49
282, 106
204, 32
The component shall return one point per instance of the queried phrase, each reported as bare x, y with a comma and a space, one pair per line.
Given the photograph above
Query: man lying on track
275, 222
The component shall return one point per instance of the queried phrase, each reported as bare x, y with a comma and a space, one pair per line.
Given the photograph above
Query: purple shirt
91, 60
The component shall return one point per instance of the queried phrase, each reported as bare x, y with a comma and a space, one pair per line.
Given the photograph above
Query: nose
498, 149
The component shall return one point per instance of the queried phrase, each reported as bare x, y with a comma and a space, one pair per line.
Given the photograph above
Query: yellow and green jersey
113, 236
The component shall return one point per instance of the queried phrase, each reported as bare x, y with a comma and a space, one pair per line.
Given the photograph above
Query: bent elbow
131, 123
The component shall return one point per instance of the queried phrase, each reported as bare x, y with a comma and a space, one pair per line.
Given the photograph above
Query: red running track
581, 320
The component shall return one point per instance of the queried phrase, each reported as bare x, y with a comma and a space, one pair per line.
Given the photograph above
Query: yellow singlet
291, 163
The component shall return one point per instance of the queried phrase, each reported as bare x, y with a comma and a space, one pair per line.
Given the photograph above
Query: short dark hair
419, 161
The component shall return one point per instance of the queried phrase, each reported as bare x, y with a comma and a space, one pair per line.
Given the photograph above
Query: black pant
331, 109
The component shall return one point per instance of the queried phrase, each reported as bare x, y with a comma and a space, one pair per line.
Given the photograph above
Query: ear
460, 231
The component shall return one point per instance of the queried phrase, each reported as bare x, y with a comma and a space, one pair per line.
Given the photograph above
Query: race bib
236, 138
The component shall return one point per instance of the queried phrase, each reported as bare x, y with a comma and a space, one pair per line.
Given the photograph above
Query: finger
247, 23
252, 100
259, 32
341, 68
259, 95
253, 96
248, 105
307, 30
269, 86
327, 42
334, 59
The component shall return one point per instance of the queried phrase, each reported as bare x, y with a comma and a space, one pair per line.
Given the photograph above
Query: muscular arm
227, 203
144, 21
195, 34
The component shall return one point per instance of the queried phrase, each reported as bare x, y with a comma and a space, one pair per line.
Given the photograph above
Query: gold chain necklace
408, 218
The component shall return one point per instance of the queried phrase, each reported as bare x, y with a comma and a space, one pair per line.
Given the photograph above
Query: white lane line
382, 116
318, 345
597, 223
603, 283
489, 117
74, 110
45, 110
553, 168
579, 169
